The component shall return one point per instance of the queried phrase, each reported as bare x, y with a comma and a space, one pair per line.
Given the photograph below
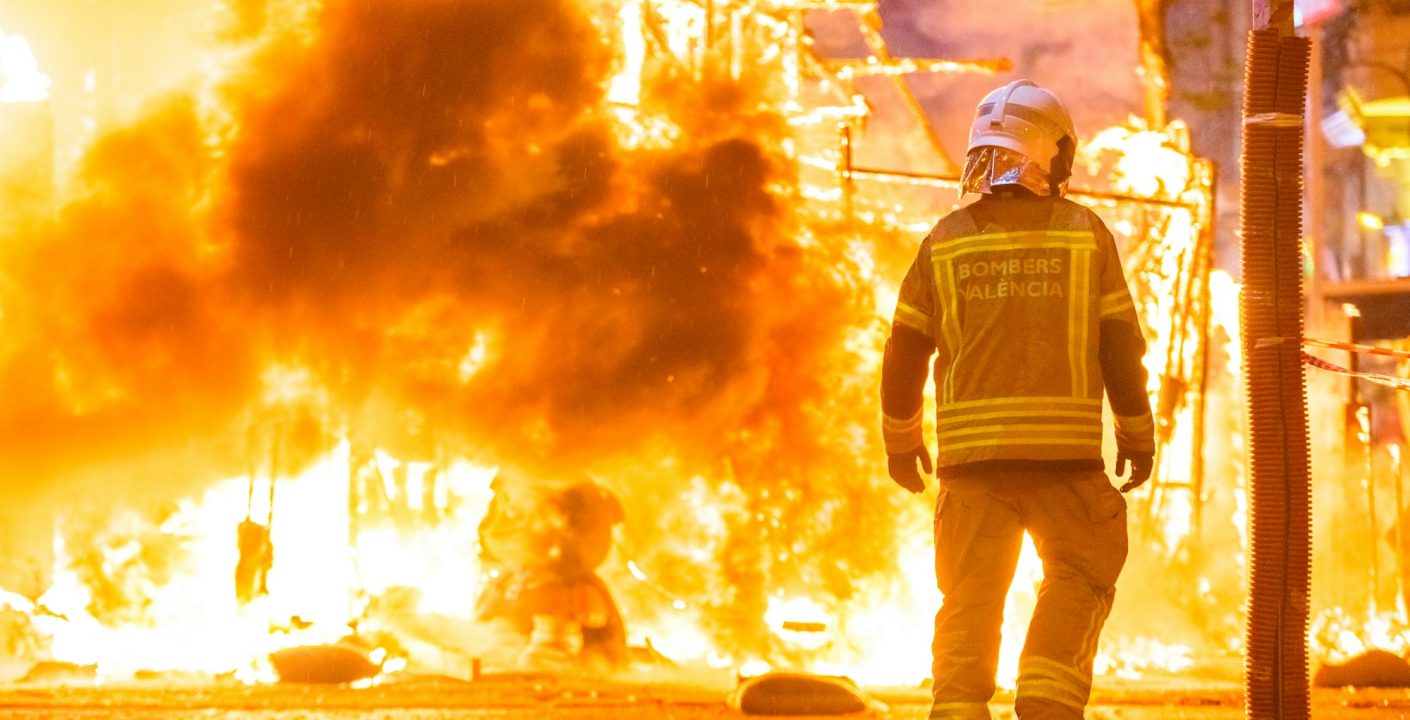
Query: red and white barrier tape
1391, 381
1368, 349
1353, 347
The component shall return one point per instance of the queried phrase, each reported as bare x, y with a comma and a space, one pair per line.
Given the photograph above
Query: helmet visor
988, 167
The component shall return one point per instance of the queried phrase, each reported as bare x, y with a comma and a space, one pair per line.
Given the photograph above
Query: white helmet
1027, 119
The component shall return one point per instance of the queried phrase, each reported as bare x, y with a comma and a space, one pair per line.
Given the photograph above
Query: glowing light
15, 602
314, 582
1370, 221
625, 86
800, 621
1224, 294
20, 79
475, 358
1338, 635
285, 385
1018, 611
683, 24
1134, 658
754, 668
1150, 163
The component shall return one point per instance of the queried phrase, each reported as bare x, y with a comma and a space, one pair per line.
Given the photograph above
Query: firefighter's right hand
902, 467
1141, 466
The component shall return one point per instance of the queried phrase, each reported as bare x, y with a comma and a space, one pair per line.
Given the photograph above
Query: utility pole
1280, 512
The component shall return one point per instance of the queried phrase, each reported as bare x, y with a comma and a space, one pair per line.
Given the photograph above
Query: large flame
20, 78
423, 241
419, 229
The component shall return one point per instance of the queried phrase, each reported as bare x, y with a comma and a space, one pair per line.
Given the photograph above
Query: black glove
1140, 469
902, 467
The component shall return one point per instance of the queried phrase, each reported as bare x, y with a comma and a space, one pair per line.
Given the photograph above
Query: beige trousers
1078, 524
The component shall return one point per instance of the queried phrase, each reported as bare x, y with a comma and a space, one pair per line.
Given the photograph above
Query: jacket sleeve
1122, 351
905, 366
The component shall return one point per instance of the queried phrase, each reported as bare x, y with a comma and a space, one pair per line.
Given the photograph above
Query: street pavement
543, 697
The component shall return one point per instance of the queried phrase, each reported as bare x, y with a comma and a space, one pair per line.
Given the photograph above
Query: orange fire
424, 242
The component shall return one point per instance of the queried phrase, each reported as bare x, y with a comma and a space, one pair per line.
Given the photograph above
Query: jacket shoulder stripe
1089, 415
1020, 404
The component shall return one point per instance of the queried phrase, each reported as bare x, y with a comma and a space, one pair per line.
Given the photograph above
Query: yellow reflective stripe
1080, 414
949, 325
1034, 669
1018, 233
1021, 403
947, 447
1051, 668
1117, 310
1134, 423
1077, 332
902, 434
1114, 297
1036, 244
1115, 303
1037, 430
1053, 690
903, 423
1089, 645
1022, 233
1015, 235
913, 318
959, 711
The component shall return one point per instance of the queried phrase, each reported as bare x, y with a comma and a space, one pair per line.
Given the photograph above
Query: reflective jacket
1024, 302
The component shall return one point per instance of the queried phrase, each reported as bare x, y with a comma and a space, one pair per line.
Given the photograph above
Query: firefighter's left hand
902, 467
1141, 466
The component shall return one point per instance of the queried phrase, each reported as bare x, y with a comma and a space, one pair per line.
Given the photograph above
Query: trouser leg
977, 542
1079, 528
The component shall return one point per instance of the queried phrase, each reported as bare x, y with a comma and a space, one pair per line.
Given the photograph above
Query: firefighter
1021, 297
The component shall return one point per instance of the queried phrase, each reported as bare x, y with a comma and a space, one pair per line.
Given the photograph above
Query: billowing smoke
113, 338
408, 179
433, 176
426, 207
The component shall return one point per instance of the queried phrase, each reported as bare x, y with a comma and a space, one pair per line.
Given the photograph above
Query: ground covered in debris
525, 697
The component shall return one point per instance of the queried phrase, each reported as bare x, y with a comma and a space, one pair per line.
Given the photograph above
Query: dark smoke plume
434, 170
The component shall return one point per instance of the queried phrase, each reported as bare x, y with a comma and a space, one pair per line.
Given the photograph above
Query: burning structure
389, 250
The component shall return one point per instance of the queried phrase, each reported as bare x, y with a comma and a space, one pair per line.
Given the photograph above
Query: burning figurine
544, 548
255, 561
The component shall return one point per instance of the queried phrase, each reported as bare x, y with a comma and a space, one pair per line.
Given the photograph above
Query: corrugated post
1316, 154
1280, 514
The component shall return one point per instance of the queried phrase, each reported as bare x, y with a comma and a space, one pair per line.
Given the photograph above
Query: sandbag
1374, 668
324, 664
57, 672
784, 693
